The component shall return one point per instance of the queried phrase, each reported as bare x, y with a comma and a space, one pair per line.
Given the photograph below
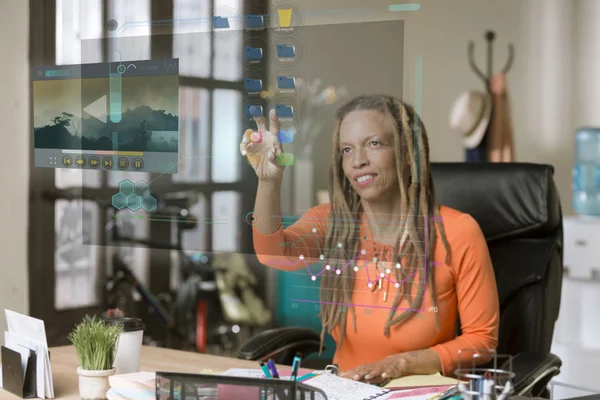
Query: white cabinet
577, 330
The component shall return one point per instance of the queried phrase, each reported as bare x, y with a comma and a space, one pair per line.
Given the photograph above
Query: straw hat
470, 116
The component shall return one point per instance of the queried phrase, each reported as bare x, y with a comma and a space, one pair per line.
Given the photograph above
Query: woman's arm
477, 296
274, 246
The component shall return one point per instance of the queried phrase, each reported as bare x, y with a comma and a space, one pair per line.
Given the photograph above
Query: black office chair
518, 209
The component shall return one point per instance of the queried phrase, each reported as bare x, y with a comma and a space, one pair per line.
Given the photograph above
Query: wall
14, 174
540, 82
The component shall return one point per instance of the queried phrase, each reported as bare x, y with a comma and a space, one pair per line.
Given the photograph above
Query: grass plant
95, 342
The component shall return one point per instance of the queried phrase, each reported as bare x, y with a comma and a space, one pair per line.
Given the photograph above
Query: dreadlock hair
418, 199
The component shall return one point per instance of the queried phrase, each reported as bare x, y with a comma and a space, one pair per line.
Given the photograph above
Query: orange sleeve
477, 297
297, 246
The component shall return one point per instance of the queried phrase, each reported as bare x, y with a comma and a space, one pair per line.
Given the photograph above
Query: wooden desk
65, 363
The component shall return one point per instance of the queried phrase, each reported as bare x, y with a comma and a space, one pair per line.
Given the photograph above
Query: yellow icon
66, 161
285, 17
80, 161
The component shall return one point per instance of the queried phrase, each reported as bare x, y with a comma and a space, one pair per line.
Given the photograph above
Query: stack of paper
416, 381
137, 385
24, 334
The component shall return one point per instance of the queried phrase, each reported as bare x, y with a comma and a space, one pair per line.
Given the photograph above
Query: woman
416, 266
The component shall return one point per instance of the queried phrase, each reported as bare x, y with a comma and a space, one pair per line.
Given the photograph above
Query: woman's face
368, 160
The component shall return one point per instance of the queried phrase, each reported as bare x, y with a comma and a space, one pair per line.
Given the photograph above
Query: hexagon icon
134, 202
142, 189
126, 187
119, 201
149, 203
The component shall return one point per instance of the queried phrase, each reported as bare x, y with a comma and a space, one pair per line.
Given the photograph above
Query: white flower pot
93, 385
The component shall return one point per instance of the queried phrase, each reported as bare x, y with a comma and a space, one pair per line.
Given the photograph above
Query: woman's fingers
274, 125
261, 123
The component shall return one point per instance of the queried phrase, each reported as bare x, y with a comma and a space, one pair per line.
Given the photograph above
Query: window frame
44, 193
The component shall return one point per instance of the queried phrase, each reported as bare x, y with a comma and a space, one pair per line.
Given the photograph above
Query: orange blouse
465, 287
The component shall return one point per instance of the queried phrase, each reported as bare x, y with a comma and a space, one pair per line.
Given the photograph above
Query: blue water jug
586, 172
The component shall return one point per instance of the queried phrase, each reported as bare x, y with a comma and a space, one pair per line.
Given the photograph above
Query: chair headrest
506, 199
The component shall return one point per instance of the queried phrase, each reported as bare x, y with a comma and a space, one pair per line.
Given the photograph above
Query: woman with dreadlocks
399, 268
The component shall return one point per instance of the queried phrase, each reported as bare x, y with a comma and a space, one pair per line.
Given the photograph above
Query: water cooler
577, 330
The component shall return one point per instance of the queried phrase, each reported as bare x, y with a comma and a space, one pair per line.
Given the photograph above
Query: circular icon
107, 162
80, 161
250, 218
121, 68
137, 164
112, 25
122, 163
67, 161
286, 19
94, 162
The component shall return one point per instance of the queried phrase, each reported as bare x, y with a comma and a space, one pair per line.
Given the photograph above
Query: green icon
285, 159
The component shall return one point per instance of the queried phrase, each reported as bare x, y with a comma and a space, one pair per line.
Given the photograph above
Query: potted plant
95, 342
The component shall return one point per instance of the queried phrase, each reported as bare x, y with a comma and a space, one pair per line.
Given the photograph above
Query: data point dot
370, 285
322, 257
355, 269
374, 259
314, 278
387, 271
328, 267
382, 275
314, 230
398, 266
397, 285
340, 245
301, 257
363, 252
338, 272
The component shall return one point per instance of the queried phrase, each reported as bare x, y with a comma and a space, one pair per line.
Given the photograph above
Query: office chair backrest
518, 209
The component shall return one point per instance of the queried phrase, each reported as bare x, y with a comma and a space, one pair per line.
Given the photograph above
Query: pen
272, 368
265, 370
296, 365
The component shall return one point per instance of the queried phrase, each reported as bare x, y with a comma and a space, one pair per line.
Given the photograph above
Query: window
210, 127
210, 110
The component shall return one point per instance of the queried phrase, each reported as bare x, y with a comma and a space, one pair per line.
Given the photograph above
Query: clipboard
13, 380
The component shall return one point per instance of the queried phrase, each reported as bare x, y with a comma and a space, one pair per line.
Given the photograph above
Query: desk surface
65, 363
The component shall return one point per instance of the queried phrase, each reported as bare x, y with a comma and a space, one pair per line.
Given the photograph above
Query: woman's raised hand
262, 148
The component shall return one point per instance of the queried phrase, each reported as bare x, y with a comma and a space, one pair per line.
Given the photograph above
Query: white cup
129, 347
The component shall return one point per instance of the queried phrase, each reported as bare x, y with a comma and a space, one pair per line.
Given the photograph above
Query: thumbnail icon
253, 85
253, 53
220, 22
286, 83
285, 159
286, 135
284, 111
255, 21
285, 17
286, 52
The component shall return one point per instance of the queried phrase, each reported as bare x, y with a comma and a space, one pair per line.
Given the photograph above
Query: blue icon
286, 82
285, 51
253, 85
253, 110
284, 111
286, 135
253, 53
220, 22
255, 21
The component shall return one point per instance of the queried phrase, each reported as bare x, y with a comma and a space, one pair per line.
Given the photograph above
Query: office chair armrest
533, 372
280, 344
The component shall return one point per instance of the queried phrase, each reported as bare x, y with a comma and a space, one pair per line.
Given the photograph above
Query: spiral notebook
338, 388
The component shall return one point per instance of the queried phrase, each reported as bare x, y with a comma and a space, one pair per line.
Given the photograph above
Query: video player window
119, 116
